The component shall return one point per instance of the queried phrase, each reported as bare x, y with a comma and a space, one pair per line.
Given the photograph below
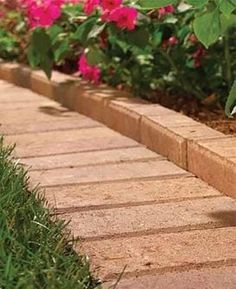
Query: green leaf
62, 50
207, 27
157, 38
46, 65
226, 6
227, 22
97, 29
40, 52
54, 31
123, 45
81, 34
138, 37
231, 101
151, 4
95, 56
41, 41
197, 3
33, 58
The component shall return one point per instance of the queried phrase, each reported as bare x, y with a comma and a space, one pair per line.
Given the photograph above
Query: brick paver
46, 126
162, 252
149, 218
205, 278
91, 158
128, 193
132, 208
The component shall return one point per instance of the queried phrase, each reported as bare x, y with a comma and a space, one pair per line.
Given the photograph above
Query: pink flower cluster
2, 14
43, 13
113, 11
89, 72
169, 9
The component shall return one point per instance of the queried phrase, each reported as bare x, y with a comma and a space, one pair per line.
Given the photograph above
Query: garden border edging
201, 150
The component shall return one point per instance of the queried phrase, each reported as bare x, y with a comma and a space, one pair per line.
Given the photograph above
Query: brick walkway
131, 207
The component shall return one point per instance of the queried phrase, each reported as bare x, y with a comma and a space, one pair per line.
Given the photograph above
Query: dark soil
207, 112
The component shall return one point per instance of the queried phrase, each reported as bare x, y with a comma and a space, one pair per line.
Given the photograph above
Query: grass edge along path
35, 249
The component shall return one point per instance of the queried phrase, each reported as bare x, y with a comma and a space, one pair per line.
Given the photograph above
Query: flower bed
148, 47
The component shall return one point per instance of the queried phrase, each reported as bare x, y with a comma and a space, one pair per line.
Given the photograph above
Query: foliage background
160, 55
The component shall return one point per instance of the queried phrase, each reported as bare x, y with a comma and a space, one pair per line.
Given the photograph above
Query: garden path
132, 208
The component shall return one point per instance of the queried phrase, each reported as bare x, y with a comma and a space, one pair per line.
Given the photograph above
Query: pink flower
124, 17
166, 10
72, 1
105, 15
103, 39
110, 4
89, 72
90, 6
43, 13
173, 41
198, 55
2, 14
193, 39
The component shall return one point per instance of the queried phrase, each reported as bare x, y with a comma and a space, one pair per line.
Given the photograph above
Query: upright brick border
205, 152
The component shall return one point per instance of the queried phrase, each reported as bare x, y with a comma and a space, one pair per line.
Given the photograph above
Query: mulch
207, 112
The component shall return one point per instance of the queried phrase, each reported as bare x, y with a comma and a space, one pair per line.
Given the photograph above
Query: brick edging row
207, 153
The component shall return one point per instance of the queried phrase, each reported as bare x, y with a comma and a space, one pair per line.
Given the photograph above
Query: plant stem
228, 71
185, 84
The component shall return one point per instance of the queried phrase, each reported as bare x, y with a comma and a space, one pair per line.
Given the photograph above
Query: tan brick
6, 71
90, 158
63, 89
62, 78
30, 105
207, 160
164, 141
204, 278
158, 252
107, 173
198, 132
57, 88
233, 160
65, 93
169, 135
93, 101
120, 117
226, 147
168, 217
22, 76
51, 125
92, 104
15, 73
145, 108
173, 120
129, 192
82, 96
230, 179
9, 94
82, 145
41, 85
48, 113
38, 139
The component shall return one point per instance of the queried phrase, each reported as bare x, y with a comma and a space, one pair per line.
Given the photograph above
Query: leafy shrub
14, 34
144, 45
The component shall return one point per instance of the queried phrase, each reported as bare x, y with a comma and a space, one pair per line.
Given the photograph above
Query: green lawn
35, 251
